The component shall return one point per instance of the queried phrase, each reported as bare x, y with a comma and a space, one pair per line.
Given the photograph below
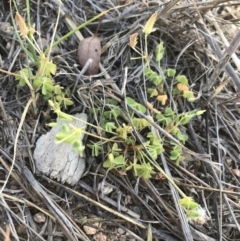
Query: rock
59, 160
39, 217
90, 230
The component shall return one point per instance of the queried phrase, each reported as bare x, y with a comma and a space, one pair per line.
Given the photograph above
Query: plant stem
166, 176
76, 29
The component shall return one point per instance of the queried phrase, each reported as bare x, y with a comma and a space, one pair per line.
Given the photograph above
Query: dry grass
200, 37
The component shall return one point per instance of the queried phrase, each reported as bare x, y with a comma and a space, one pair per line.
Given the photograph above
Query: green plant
122, 148
124, 151
169, 119
39, 76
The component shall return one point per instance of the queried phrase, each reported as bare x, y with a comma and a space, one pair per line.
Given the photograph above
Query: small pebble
39, 218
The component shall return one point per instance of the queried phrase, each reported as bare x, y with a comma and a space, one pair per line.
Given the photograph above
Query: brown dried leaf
133, 40
182, 87
90, 48
151, 108
162, 99
22, 25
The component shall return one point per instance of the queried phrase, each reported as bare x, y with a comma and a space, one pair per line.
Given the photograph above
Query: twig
223, 58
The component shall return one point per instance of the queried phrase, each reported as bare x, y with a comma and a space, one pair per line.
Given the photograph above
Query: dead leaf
162, 99
22, 25
148, 28
151, 108
133, 40
90, 48
182, 87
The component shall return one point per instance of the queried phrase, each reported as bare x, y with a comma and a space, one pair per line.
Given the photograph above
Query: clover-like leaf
136, 105
96, 148
65, 128
152, 92
46, 67
123, 131
57, 89
113, 113
140, 123
170, 72
115, 149
109, 126
188, 203
182, 79
179, 159
168, 111
37, 82
193, 215
182, 137
159, 52
143, 170
114, 162
188, 95
67, 102
78, 147
22, 75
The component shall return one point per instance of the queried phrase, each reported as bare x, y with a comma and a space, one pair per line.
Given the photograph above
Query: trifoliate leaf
188, 203
182, 79
170, 72
188, 95
152, 92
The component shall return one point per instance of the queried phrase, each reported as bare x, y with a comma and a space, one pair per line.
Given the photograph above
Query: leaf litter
214, 181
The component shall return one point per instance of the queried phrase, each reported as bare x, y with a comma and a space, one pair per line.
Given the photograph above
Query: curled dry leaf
151, 108
133, 40
162, 99
90, 48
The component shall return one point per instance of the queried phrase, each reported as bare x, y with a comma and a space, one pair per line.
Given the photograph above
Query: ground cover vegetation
161, 139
